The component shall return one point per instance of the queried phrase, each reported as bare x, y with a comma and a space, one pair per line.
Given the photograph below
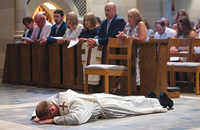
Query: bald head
38, 16
110, 10
40, 20
111, 4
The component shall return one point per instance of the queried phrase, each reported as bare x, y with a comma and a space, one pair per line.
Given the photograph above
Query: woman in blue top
90, 28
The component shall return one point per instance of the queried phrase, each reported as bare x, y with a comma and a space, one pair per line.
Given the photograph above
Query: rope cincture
96, 100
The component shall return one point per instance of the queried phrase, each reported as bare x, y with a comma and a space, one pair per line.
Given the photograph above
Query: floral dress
133, 32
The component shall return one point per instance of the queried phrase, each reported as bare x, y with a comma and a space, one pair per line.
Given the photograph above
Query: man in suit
57, 30
109, 28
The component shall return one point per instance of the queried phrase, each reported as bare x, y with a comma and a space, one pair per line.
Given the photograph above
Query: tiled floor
18, 102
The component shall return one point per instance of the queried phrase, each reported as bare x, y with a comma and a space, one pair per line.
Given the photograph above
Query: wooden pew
21, 64
153, 69
62, 67
11, 72
43, 65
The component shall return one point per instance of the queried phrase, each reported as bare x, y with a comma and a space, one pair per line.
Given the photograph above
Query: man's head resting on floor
46, 110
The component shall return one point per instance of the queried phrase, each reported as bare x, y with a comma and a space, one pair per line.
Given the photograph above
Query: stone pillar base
18, 35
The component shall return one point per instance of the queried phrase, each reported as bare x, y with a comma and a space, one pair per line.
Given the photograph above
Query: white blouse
70, 35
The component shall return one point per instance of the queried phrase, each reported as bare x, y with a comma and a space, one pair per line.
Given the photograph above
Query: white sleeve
26, 33
174, 34
97, 42
156, 35
77, 31
79, 113
74, 34
47, 31
33, 34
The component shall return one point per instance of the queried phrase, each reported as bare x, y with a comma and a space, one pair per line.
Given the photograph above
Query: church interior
24, 83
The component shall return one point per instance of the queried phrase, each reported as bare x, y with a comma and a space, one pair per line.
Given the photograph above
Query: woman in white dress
74, 28
135, 28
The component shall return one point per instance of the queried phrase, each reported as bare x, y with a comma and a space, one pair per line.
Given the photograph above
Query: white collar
58, 26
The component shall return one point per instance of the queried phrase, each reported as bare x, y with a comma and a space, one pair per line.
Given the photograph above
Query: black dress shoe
165, 101
163, 95
170, 103
151, 95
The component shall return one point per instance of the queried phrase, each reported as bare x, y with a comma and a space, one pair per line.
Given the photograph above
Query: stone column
167, 10
20, 12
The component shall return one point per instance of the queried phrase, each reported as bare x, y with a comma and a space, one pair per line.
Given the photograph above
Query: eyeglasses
180, 15
50, 113
38, 21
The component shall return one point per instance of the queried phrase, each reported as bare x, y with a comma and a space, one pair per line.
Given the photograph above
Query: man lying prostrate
73, 108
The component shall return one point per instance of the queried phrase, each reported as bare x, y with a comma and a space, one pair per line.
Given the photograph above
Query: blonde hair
135, 13
92, 19
74, 19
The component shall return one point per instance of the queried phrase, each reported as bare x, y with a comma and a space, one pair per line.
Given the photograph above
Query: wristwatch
85, 40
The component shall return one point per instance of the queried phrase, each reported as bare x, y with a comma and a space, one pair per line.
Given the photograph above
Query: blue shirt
88, 33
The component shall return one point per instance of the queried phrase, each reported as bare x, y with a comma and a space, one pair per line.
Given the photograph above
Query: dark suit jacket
60, 33
116, 25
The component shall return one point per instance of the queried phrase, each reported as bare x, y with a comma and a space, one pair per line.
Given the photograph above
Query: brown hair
186, 27
92, 19
160, 22
184, 13
74, 19
147, 23
27, 19
42, 109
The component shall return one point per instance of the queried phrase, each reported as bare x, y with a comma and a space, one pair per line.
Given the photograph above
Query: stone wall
97, 7
191, 6
153, 10
7, 27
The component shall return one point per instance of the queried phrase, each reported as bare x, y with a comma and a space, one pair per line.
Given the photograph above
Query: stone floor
18, 102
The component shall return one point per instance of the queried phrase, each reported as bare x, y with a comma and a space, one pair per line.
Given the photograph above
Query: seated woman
74, 28
135, 28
